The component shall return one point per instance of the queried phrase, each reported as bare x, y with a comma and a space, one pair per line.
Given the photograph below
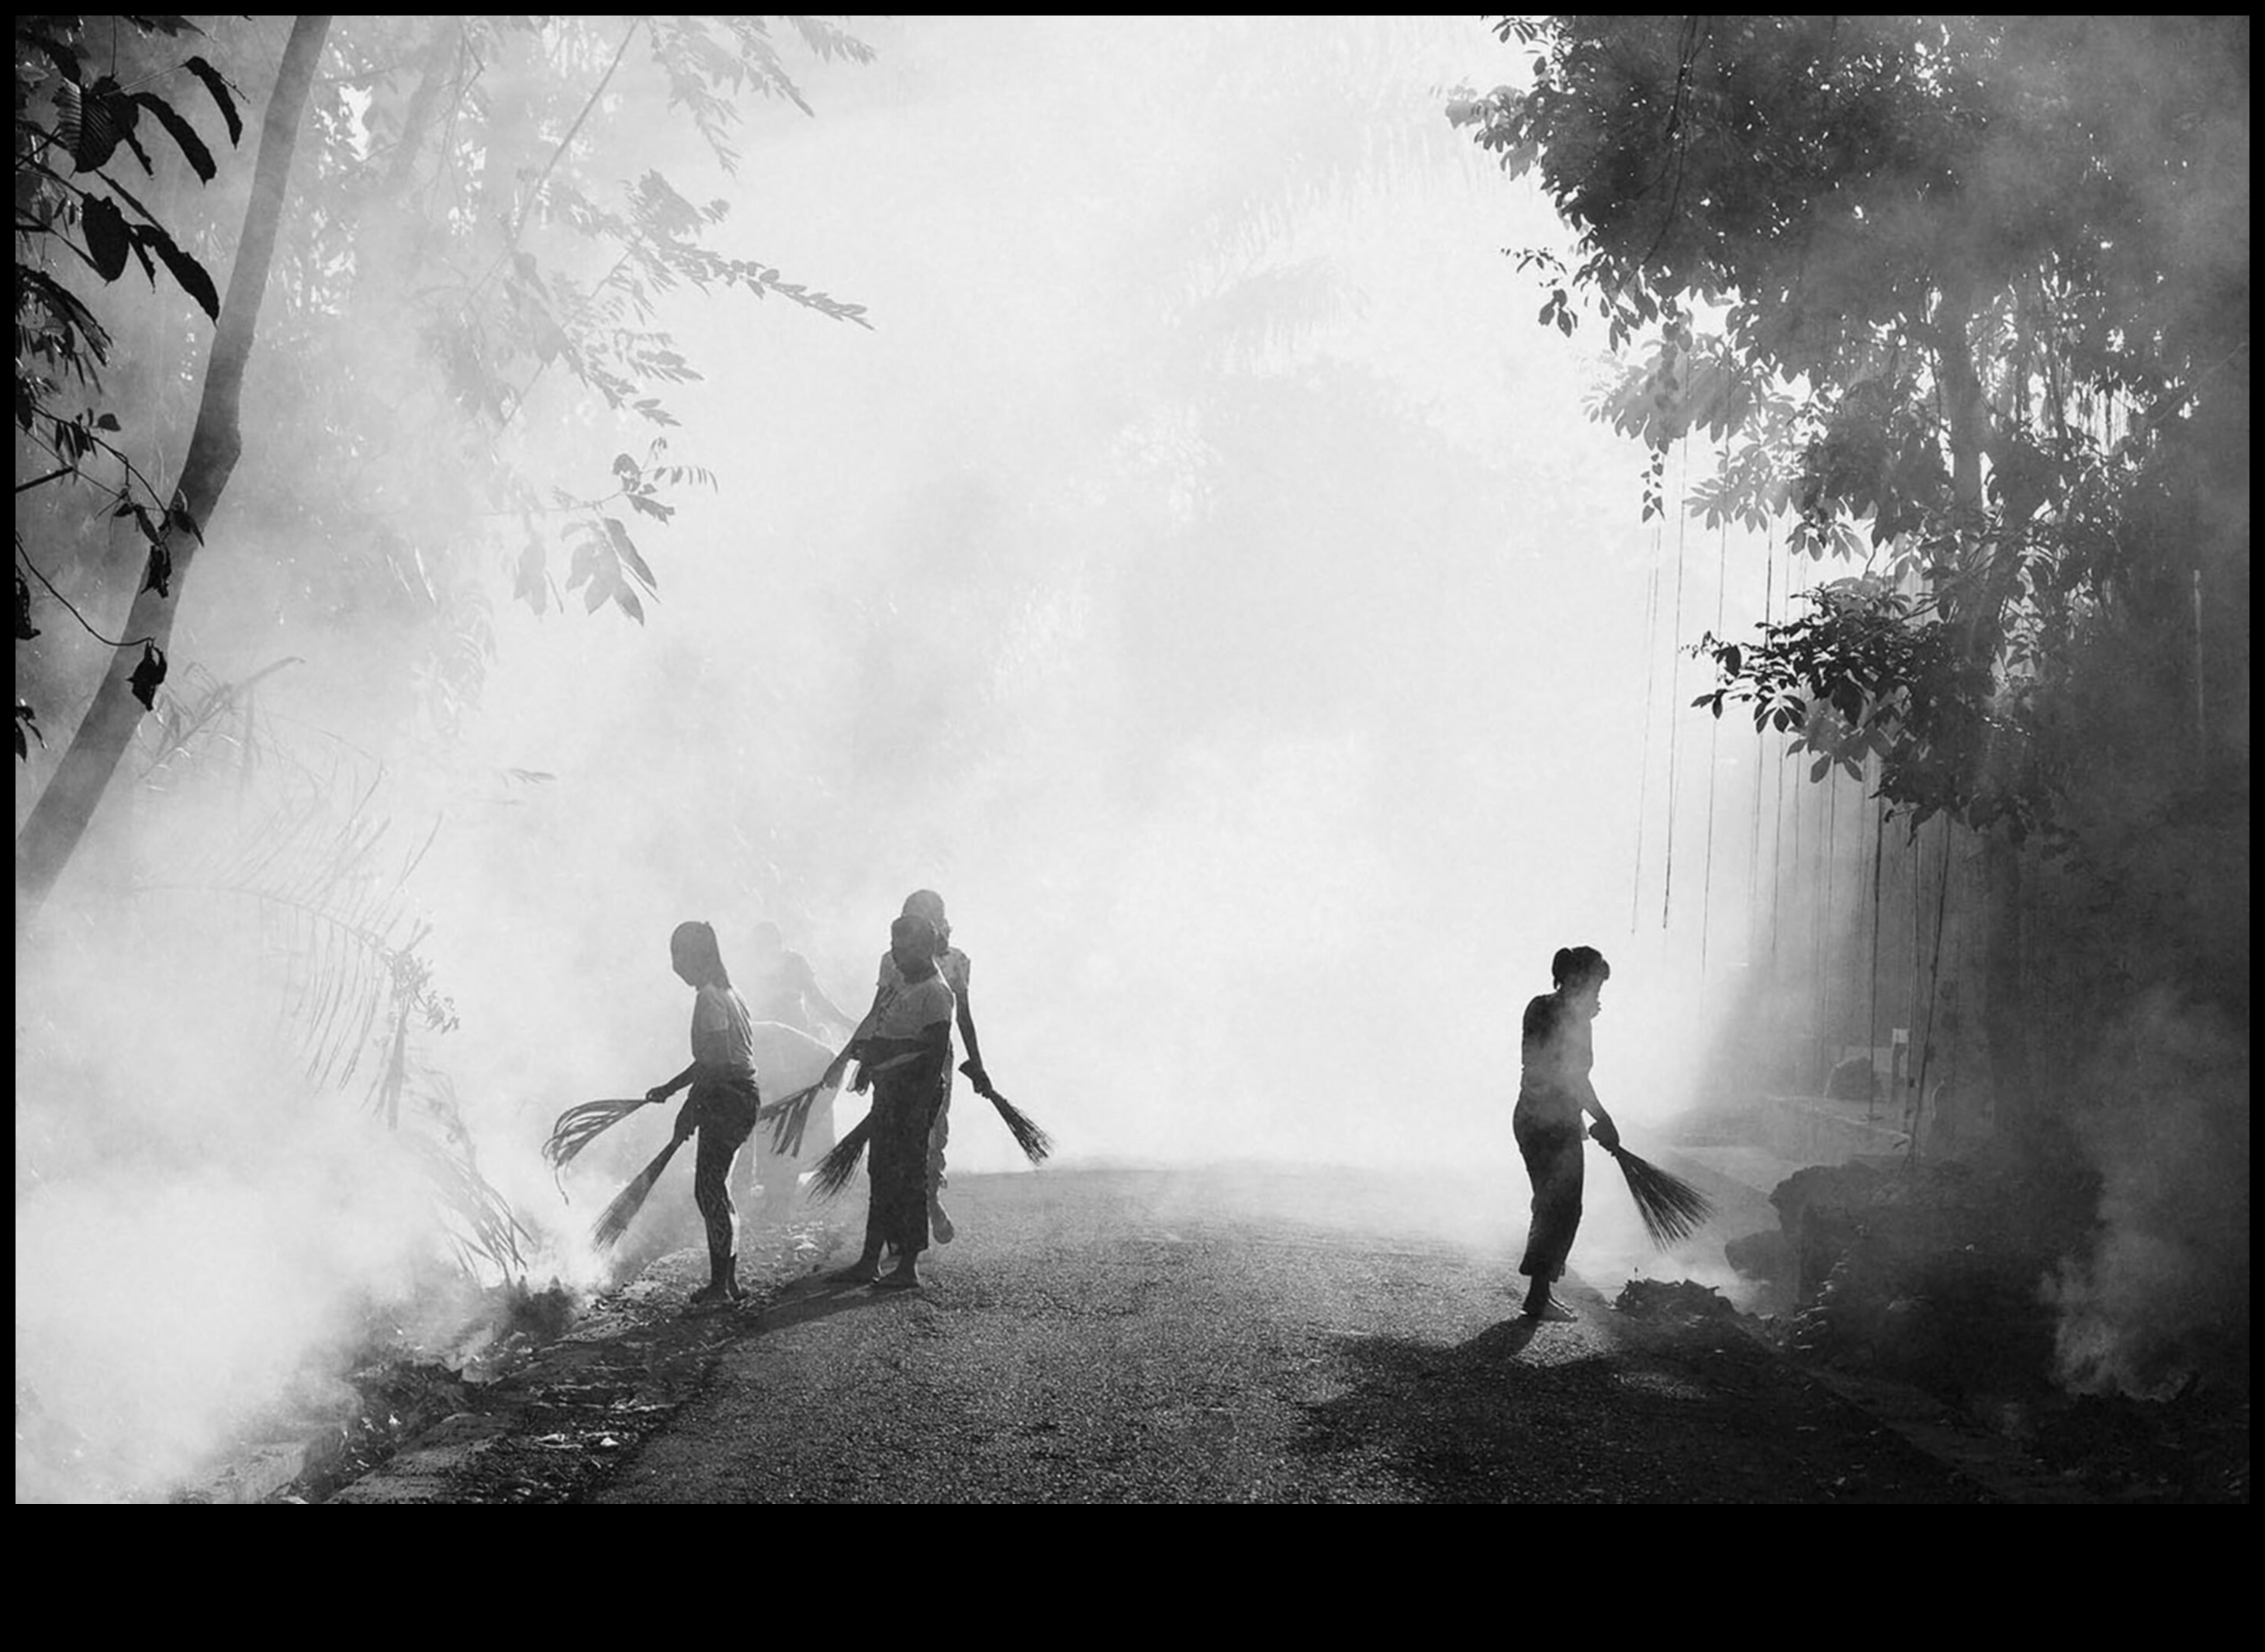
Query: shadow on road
1482, 1421
803, 1302
1600, 1412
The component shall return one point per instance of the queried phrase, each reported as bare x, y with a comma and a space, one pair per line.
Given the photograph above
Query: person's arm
1606, 1133
662, 1092
862, 1030
973, 1065
928, 1050
658, 1092
813, 994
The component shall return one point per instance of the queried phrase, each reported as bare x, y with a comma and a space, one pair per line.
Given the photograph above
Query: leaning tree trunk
57, 822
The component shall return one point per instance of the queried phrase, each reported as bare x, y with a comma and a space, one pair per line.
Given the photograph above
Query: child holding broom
1553, 1092
952, 965
905, 1043
723, 1099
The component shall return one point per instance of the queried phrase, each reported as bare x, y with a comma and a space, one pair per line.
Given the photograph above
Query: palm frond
335, 925
481, 1222
789, 1119
583, 1124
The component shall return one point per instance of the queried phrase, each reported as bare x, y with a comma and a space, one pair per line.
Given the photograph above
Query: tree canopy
1966, 297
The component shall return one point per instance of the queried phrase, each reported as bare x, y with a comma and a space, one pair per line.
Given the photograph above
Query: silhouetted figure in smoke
723, 1100
782, 987
1553, 1092
904, 1047
952, 964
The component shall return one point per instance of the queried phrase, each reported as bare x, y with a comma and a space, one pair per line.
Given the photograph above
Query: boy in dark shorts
723, 1100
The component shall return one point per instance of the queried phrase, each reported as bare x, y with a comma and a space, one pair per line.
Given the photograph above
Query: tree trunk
2005, 1012
58, 821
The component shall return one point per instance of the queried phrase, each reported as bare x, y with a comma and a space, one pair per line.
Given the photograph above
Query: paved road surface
1276, 1336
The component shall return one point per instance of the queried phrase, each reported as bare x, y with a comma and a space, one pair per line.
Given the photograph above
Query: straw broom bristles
617, 1216
1034, 1142
1671, 1208
839, 1167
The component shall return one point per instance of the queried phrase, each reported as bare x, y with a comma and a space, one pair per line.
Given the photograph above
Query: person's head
692, 950
912, 944
926, 903
1579, 974
766, 940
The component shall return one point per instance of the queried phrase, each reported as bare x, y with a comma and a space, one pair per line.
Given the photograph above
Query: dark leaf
25, 630
628, 553
190, 274
218, 87
150, 675
159, 576
529, 581
24, 720
178, 517
107, 238
184, 136
133, 143
105, 421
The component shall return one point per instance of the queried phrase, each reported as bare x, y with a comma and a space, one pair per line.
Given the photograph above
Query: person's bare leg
1541, 1305
867, 1268
904, 1276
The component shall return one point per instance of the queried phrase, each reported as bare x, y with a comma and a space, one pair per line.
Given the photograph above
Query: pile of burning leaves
2193, 1447
1930, 1276
1927, 1273
1682, 1302
325, 1430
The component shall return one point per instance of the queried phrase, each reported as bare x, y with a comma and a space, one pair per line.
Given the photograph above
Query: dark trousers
726, 1109
903, 1114
1552, 1151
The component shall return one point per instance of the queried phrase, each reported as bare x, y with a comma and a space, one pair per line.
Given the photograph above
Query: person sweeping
723, 1102
1553, 1093
952, 965
905, 1045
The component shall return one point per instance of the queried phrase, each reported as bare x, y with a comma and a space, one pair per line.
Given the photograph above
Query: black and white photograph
1582, 682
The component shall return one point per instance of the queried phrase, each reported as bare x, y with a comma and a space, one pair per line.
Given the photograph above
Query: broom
1671, 1208
578, 1126
616, 1218
839, 1167
1034, 1142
